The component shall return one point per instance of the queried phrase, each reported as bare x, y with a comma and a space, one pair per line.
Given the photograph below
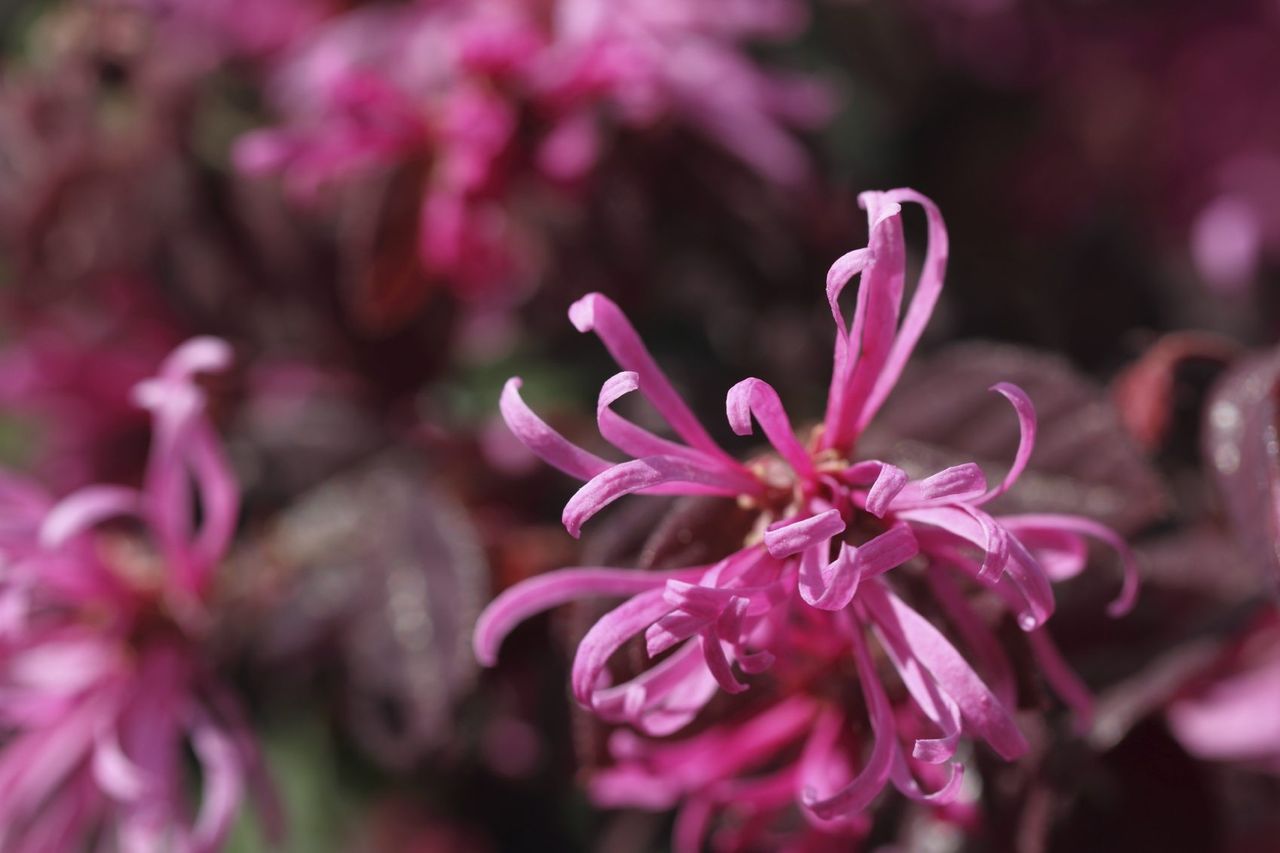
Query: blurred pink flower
232, 27
103, 688
1173, 112
1234, 714
69, 366
811, 583
493, 96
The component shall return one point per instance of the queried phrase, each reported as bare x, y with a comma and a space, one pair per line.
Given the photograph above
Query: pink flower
238, 28
797, 608
103, 687
501, 97
69, 372
1234, 714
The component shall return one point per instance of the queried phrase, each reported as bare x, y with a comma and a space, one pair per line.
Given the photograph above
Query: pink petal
607, 636
198, 355
83, 510
548, 444
984, 712
929, 697
718, 663
957, 483
874, 557
540, 593
1235, 720
596, 312
972, 525
754, 396
695, 609
639, 442
875, 321
222, 789
1124, 602
219, 497
1062, 554
114, 772
976, 634
888, 485
922, 303
858, 794
798, 535
664, 698
1026, 435
674, 475
1029, 578
910, 788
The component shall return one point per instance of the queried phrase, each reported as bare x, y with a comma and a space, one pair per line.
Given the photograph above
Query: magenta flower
497, 98
103, 687
797, 609
1232, 715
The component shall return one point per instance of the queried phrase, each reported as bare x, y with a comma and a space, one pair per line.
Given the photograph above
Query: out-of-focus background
387, 207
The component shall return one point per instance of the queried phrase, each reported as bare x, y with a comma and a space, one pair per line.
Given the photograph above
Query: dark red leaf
377, 571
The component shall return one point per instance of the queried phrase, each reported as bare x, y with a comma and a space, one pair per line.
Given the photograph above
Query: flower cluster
479, 99
104, 689
819, 597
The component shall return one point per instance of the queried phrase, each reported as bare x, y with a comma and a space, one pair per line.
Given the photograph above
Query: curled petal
549, 445
888, 484
597, 313
1029, 578
540, 593
970, 524
675, 475
875, 320
223, 788
976, 635
858, 794
957, 483
874, 557
718, 663
620, 432
798, 535
1123, 602
831, 588
929, 287
906, 784
1026, 435
114, 772
664, 698
930, 698
219, 497
983, 711
838, 276
694, 608
754, 396
607, 636
888, 550
84, 509
1062, 554
202, 354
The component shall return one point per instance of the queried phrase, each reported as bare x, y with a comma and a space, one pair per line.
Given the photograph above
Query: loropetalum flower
497, 96
104, 689
1232, 713
817, 599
